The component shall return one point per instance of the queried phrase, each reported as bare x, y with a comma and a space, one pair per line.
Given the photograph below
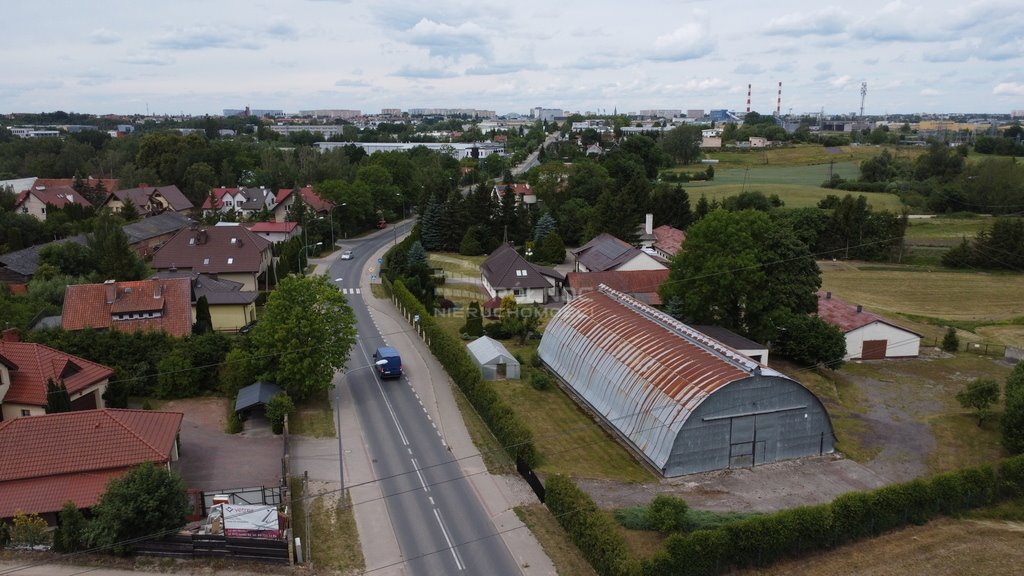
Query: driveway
212, 460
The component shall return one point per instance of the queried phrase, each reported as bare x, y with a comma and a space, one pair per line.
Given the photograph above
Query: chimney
859, 308
10, 335
111, 290
828, 295
649, 224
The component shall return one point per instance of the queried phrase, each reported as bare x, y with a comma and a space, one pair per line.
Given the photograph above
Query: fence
211, 546
981, 348
259, 495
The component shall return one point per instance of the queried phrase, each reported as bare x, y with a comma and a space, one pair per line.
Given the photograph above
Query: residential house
230, 306
147, 235
667, 241
505, 272
640, 284
149, 200
243, 202
25, 369
759, 142
225, 253
72, 456
523, 193
868, 335
275, 232
286, 197
37, 199
155, 305
606, 252
18, 267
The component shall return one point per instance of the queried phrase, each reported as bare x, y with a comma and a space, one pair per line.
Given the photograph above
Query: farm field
793, 195
944, 231
801, 155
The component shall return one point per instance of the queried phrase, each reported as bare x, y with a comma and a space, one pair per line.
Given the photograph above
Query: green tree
671, 206
980, 395
57, 397
114, 258
70, 533
1011, 424
277, 408
70, 258
204, 321
149, 499
544, 226
668, 514
809, 340
682, 143
950, 342
176, 377
470, 245
552, 249
308, 328
474, 325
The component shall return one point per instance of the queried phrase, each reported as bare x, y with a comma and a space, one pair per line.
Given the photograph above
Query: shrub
277, 408
950, 342
1011, 424
474, 325
668, 514
700, 553
536, 360
70, 535
851, 517
1011, 477
633, 518
28, 530
540, 381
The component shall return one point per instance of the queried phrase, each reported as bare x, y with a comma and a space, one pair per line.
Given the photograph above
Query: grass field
945, 231
565, 555
792, 195
314, 418
801, 155
333, 542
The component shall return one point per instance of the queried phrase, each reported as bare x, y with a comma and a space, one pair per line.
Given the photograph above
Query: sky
200, 57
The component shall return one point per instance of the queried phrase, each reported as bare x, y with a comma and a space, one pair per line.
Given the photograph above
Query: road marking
458, 561
416, 467
410, 451
405, 441
431, 498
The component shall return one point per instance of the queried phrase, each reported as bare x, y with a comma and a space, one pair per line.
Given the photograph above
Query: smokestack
110, 288
859, 308
748, 98
649, 224
828, 295
11, 335
778, 103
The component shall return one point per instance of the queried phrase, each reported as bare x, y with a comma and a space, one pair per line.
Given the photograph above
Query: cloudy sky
199, 57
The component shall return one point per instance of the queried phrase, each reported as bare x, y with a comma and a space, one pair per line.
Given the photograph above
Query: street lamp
330, 214
337, 424
399, 194
305, 248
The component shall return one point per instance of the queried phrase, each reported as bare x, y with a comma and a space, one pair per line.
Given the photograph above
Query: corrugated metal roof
641, 369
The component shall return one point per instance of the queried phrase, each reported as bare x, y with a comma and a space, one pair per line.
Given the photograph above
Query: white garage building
868, 335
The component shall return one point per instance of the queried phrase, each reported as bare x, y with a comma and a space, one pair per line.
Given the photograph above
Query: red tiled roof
518, 189
668, 239
217, 195
213, 250
281, 227
845, 315
640, 284
72, 455
308, 196
37, 363
141, 196
90, 306
109, 184
58, 196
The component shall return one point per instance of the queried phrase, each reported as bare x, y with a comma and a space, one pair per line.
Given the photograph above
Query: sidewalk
499, 494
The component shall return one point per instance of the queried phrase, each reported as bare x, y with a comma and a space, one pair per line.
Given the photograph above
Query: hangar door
755, 439
873, 349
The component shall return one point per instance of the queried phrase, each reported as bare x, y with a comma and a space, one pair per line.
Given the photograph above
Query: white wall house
868, 335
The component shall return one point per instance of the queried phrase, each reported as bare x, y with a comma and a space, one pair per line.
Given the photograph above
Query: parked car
346, 255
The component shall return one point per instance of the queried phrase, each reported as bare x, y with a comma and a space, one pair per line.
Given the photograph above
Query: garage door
87, 402
873, 349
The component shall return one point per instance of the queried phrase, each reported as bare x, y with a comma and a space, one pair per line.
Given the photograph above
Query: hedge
511, 432
762, 540
593, 532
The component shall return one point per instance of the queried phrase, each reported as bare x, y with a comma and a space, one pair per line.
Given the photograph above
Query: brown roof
51, 459
37, 363
109, 184
846, 316
141, 196
308, 197
272, 227
506, 268
668, 239
640, 284
95, 305
213, 250
605, 252
58, 196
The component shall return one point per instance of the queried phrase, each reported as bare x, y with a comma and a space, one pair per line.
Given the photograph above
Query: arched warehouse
685, 402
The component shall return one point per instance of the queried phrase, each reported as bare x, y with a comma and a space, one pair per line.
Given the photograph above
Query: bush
536, 361
1011, 424
29, 530
70, 535
277, 408
474, 325
950, 342
633, 518
1011, 477
668, 514
540, 381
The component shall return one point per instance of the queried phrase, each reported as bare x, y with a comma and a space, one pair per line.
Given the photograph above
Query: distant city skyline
193, 57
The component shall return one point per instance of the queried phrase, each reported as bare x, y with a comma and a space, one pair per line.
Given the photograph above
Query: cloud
351, 84
599, 61
688, 42
202, 37
748, 68
424, 73
871, 61
497, 69
1009, 89
446, 41
282, 30
825, 22
104, 36
899, 22
146, 60
840, 82
931, 92
823, 66
959, 51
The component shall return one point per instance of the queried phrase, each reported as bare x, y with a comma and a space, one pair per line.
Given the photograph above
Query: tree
70, 533
474, 325
668, 514
516, 320
809, 341
671, 206
950, 342
149, 499
70, 258
682, 143
277, 408
28, 530
470, 245
204, 321
114, 258
307, 328
57, 397
552, 249
980, 395
176, 377
544, 226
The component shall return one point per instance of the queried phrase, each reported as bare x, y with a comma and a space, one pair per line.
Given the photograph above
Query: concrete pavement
499, 494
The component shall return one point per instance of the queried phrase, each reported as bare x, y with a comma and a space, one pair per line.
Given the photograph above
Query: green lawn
944, 231
792, 195
314, 417
799, 155
333, 542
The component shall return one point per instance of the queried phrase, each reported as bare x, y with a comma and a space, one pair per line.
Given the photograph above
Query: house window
191, 241
206, 261
231, 260
26, 412
519, 292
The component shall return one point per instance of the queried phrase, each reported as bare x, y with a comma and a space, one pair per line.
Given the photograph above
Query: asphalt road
440, 524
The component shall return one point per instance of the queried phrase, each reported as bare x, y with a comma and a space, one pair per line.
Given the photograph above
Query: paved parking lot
213, 460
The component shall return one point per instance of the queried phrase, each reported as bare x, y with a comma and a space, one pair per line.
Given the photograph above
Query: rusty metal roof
642, 370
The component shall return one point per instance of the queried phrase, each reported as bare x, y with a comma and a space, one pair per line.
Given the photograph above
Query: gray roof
506, 268
605, 252
486, 350
255, 394
26, 260
729, 338
154, 226
140, 196
218, 291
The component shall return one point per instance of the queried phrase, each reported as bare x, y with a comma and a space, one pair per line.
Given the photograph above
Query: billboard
245, 521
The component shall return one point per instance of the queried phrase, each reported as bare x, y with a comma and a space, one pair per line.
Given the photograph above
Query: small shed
494, 359
254, 395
